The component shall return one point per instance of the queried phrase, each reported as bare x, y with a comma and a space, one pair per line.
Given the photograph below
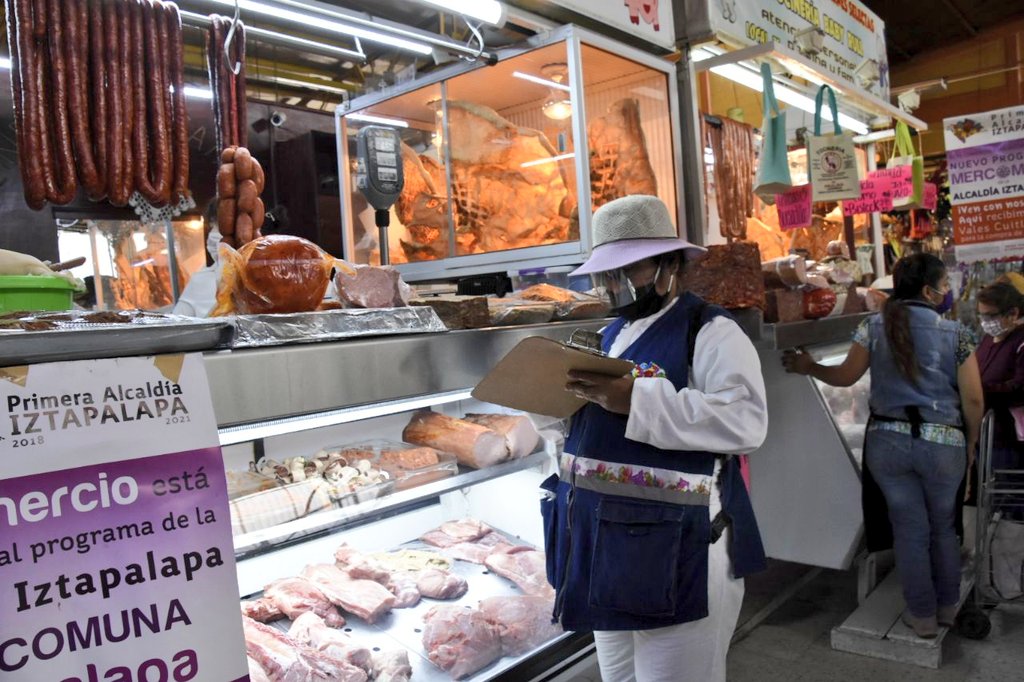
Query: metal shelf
332, 520
809, 332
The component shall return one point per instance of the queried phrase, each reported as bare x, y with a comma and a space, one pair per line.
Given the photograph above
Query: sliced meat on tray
311, 630
285, 660
523, 621
295, 596
363, 598
392, 666
454, 532
525, 567
475, 552
460, 641
435, 583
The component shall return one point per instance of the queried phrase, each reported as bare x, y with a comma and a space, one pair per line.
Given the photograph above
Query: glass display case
504, 164
848, 405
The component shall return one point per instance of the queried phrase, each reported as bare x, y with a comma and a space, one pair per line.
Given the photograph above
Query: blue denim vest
936, 393
625, 549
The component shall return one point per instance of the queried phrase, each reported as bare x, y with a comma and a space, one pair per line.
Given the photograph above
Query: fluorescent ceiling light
487, 11
306, 85
366, 118
311, 19
738, 74
5, 63
551, 159
541, 81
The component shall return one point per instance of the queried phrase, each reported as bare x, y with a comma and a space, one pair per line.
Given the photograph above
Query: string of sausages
732, 146
229, 109
98, 91
240, 211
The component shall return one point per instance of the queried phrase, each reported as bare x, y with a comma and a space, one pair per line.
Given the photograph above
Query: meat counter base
404, 627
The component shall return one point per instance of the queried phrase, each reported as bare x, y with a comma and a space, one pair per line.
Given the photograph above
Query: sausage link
259, 214
40, 15
226, 216
243, 228
140, 131
226, 185
98, 92
112, 15
43, 109
241, 109
225, 81
163, 174
243, 164
127, 55
258, 176
66, 177
247, 195
180, 113
213, 65
77, 50
23, 88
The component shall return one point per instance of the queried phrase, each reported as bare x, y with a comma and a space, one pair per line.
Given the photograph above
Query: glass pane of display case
493, 162
848, 405
629, 128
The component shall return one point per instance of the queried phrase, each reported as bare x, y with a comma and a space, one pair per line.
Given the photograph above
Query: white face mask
995, 327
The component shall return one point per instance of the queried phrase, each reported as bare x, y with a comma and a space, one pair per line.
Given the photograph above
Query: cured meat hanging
93, 108
732, 145
227, 84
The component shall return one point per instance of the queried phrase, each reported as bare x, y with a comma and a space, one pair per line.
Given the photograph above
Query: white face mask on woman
996, 327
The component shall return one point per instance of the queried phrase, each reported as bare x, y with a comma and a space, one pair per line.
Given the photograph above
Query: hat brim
625, 252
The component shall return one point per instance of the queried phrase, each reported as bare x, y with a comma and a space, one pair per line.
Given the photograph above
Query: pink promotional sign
901, 177
931, 196
116, 556
794, 207
876, 195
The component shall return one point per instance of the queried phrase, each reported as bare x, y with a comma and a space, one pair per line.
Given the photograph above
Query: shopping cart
1000, 498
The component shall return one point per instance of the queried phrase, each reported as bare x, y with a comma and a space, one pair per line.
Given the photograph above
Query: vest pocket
549, 515
644, 554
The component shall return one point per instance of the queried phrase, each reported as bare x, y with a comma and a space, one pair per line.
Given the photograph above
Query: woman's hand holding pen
612, 393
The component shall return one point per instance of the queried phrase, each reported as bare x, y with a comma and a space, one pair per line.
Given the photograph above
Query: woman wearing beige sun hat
649, 527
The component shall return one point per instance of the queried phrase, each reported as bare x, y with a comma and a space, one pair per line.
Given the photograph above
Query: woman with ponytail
926, 406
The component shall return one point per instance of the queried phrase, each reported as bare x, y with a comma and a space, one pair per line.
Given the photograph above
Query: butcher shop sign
116, 560
647, 19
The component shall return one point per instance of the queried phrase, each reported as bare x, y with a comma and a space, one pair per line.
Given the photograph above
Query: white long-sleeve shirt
723, 410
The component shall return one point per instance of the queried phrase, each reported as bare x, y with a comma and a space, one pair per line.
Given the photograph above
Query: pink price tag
876, 194
931, 196
794, 208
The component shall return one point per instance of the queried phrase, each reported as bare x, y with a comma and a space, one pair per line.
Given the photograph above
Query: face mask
994, 327
638, 302
946, 305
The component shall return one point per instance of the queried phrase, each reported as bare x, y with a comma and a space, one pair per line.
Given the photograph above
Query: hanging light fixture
558, 106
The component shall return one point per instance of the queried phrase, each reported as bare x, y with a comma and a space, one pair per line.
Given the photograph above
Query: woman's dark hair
1002, 296
910, 276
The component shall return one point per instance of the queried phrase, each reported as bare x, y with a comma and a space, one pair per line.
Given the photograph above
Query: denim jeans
919, 480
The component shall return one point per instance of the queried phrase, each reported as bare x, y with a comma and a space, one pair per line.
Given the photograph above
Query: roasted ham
474, 445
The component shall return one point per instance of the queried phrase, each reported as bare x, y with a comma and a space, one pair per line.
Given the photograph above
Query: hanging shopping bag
772, 163
910, 188
831, 159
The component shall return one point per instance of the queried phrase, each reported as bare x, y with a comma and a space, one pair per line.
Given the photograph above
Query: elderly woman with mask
649, 529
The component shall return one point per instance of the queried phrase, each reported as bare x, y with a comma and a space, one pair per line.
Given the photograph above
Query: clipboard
532, 376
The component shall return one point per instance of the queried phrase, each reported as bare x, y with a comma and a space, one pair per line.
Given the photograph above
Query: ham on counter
518, 431
474, 445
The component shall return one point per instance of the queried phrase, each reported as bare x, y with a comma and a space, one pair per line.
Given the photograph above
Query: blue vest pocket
549, 515
645, 555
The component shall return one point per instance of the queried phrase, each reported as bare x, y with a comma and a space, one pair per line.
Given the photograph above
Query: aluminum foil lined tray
27, 338
253, 331
403, 628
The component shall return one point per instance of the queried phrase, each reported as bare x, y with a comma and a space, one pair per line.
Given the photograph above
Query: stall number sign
116, 560
853, 33
985, 156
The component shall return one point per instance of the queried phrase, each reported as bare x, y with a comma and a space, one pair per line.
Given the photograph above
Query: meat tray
253, 331
71, 336
404, 478
403, 628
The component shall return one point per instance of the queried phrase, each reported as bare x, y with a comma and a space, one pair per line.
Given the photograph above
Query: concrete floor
792, 645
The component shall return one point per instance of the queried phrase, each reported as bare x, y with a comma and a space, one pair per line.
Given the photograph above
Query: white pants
693, 651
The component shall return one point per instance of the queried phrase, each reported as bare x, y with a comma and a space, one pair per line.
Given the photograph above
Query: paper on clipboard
532, 377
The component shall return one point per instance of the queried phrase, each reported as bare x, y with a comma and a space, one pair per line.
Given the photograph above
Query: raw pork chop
454, 532
285, 660
310, 629
523, 622
364, 567
525, 567
295, 596
392, 666
460, 641
434, 583
264, 610
363, 598
478, 550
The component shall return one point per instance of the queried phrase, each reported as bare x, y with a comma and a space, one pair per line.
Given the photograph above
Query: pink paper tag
794, 208
875, 196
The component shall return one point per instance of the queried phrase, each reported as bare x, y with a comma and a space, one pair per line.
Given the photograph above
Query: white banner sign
854, 34
985, 153
116, 559
647, 19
